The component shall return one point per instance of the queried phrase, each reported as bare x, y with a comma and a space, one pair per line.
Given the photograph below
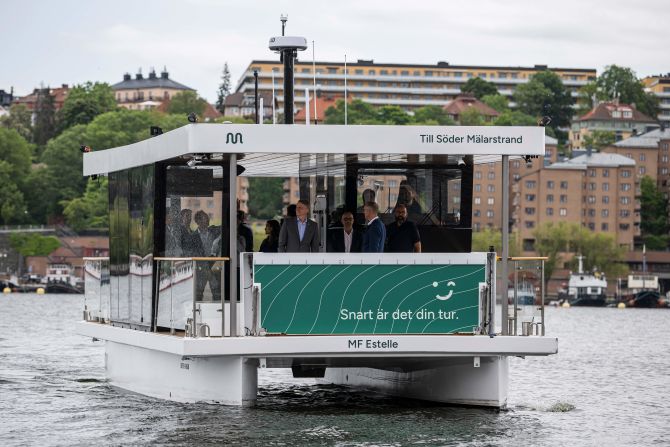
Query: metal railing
527, 308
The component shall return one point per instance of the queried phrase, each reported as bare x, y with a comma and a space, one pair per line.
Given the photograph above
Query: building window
643, 170
564, 198
606, 172
492, 175
530, 184
624, 200
564, 185
491, 201
478, 187
530, 211
624, 213
624, 227
529, 244
548, 153
604, 226
625, 173
550, 211
516, 164
592, 226
643, 157
606, 199
592, 212
491, 188
606, 186
530, 197
664, 171
530, 224
604, 213
563, 212
371, 72
478, 200
592, 172
550, 184
591, 186
476, 213
591, 199
550, 198
489, 213
625, 186
478, 175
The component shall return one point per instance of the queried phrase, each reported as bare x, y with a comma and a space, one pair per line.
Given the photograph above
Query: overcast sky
73, 41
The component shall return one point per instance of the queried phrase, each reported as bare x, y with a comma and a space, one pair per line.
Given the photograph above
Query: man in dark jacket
345, 240
375, 233
245, 231
403, 234
299, 234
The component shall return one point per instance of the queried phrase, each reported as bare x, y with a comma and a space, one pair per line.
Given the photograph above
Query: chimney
65, 86
152, 74
589, 151
164, 73
126, 77
138, 76
634, 132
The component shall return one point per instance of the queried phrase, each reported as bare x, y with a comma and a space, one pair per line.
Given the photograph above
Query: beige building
143, 93
622, 120
660, 86
408, 86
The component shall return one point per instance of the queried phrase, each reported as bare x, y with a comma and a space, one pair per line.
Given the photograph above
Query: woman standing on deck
271, 243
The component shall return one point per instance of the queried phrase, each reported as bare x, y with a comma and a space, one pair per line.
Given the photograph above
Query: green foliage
15, 150
393, 115
12, 206
543, 95
487, 237
600, 250
599, 139
653, 210
656, 242
497, 102
479, 88
19, 119
588, 98
85, 102
514, 118
265, 197
32, 244
358, 112
91, 210
45, 118
622, 83
224, 89
432, 116
187, 102
36, 193
471, 117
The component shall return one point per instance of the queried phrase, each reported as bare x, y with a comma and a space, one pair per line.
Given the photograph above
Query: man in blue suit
375, 233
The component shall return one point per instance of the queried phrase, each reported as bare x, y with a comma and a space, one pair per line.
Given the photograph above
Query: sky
74, 41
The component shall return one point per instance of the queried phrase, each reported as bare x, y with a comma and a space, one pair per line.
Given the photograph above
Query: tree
187, 102
393, 115
45, 118
599, 139
479, 88
224, 89
85, 102
497, 102
653, 215
31, 244
514, 118
91, 210
358, 112
545, 95
16, 151
12, 205
265, 195
19, 119
622, 83
471, 117
432, 116
551, 240
489, 237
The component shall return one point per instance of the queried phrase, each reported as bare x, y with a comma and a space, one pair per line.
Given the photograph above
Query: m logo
234, 138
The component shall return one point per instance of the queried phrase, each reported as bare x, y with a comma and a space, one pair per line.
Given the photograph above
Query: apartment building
650, 152
58, 93
408, 86
142, 93
621, 119
659, 85
598, 190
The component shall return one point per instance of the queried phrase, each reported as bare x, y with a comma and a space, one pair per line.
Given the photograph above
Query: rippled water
609, 385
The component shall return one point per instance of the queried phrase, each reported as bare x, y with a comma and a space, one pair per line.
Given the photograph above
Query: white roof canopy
275, 149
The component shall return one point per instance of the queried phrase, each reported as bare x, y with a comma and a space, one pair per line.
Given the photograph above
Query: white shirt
347, 241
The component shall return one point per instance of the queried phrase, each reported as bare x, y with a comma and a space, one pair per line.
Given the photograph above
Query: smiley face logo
448, 295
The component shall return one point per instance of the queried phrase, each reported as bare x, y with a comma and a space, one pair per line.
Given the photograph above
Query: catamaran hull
457, 382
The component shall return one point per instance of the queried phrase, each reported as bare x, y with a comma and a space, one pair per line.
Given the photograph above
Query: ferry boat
585, 289
195, 323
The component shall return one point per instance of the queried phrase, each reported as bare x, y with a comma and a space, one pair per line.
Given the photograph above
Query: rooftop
152, 81
607, 111
596, 159
646, 140
464, 102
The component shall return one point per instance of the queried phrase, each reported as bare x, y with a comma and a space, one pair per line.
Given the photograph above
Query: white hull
456, 382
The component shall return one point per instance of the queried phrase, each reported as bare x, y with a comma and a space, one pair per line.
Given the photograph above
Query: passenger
204, 240
244, 231
189, 246
375, 233
368, 195
348, 239
290, 212
403, 235
271, 243
407, 197
299, 234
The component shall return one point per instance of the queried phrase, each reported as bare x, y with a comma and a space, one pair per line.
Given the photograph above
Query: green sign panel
369, 299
